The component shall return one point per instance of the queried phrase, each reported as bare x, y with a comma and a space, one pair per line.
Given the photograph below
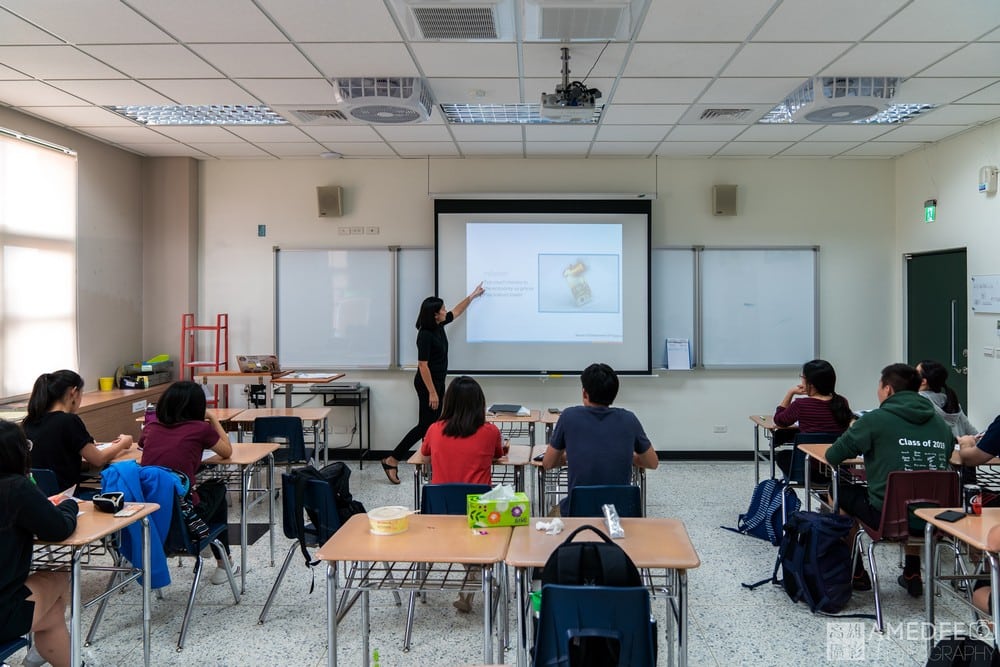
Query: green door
937, 314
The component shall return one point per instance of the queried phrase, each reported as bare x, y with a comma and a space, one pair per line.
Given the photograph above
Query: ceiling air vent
386, 100
312, 115
478, 20
581, 20
723, 115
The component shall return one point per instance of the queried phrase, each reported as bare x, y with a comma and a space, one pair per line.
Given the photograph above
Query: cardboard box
490, 513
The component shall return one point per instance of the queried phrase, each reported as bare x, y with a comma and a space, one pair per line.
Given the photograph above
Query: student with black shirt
432, 369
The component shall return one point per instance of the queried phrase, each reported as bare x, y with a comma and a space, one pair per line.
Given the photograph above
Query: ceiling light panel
503, 114
209, 114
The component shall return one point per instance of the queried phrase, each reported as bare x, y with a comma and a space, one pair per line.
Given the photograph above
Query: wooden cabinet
110, 413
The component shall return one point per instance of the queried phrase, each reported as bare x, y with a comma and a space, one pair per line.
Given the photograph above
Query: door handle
954, 322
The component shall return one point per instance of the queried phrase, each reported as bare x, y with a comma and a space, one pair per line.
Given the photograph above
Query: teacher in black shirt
432, 368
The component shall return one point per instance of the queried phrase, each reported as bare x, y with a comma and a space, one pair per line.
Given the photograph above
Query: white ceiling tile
150, 61
291, 91
585, 60
846, 132
958, 114
55, 62
291, 149
486, 133
884, 148
632, 132
703, 21
257, 60
533, 88
199, 133
215, 21
708, 132
325, 21
229, 150
91, 22
932, 19
326, 133
395, 133
895, 59
750, 90
922, 132
491, 148
8, 74
79, 116
936, 90
776, 132
421, 148
819, 148
269, 133
784, 59
475, 91
557, 148
14, 30
973, 60
990, 95
644, 114
466, 60
378, 59
679, 60
362, 149
35, 93
753, 148
629, 148
164, 150
534, 133
659, 91
689, 148
115, 92
201, 91
824, 21
134, 134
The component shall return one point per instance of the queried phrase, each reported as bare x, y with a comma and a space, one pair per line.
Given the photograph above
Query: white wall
846, 207
949, 173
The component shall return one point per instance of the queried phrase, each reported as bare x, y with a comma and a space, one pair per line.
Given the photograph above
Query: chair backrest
448, 498
46, 481
317, 501
904, 487
12, 646
617, 617
797, 468
178, 541
587, 500
282, 429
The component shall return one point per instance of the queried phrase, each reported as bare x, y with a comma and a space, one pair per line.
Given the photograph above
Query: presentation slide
554, 283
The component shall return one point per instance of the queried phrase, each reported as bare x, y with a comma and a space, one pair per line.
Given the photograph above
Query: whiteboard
415, 280
986, 294
333, 308
758, 306
672, 316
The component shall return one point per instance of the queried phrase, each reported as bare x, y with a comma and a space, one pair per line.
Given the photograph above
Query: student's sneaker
861, 581
219, 576
33, 658
913, 584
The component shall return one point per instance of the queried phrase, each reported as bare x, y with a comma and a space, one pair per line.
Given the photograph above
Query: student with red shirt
182, 431
462, 444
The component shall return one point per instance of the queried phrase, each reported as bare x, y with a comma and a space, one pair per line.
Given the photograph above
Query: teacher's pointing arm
464, 303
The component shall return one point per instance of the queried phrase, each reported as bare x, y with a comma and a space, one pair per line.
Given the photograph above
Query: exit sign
930, 210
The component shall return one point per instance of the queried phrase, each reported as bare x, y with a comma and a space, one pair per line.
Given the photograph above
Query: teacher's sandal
388, 468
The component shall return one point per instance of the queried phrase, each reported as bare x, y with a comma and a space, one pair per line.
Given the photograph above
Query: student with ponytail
822, 409
934, 387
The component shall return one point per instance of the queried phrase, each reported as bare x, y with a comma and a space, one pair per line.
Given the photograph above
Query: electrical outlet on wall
343, 231
371, 230
357, 230
720, 428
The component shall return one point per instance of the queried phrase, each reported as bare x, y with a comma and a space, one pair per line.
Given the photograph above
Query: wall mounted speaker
330, 198
723, 200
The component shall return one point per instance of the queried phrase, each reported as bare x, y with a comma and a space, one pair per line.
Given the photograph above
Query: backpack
590, 563
962, 652
815, 562
763, 518
337, 476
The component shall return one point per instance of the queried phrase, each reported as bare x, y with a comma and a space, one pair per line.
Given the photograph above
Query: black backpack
962, 652
590, 563
337, 476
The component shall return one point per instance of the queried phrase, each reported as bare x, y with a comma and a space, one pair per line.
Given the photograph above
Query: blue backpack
763, 518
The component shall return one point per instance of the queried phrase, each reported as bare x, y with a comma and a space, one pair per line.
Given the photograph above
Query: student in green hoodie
905, 433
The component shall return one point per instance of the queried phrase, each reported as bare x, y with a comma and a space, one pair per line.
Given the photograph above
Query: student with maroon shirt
182, 431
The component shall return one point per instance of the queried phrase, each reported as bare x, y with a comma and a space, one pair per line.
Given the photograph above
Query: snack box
490, 513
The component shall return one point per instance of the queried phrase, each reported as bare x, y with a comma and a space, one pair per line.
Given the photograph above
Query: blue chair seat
12, 646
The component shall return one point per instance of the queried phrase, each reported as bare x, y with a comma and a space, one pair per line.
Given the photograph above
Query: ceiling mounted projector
572, 101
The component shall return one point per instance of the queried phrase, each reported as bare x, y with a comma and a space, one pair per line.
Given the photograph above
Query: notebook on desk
509, 407
255, 363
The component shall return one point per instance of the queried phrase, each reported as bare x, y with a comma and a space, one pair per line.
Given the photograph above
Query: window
38, 329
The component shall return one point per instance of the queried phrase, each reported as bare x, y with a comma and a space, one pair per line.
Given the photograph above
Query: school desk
552, 485
91, 528
428, 556
818, 452
764, 424
515, 459
513, 426
262, 378
289, 379
314, 418
651, 543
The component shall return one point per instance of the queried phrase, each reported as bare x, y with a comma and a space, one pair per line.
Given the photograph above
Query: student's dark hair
15, 458
901, 377
600, 383
937, 380
428, 310
463, 410
183, 401
820, 375
49, 388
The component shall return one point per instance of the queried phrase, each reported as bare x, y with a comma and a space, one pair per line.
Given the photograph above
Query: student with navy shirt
599, 444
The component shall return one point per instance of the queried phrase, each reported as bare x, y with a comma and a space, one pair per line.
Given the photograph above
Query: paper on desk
103, 445
310, 376
207, 454
677, 354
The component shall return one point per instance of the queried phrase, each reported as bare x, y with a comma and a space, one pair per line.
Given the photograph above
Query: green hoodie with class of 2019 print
904, 433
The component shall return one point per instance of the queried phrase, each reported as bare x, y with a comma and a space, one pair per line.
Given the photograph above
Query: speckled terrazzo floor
728, 624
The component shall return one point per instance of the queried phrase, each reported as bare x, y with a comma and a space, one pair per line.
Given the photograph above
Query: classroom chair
587, 501
796, 476
287, 431
440, 499
46, 481
12, 646
903, 489
607, 621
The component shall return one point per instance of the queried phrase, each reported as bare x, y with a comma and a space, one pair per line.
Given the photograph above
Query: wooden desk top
222, 414
764, 421
535, 416
92, 525
431, 538
245, 453
294, 377
233, 377
653, 543
973, 530
549, 418
309, 414
818, 452
517, 456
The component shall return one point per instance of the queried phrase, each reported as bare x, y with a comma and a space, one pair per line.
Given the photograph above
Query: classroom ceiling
65, 61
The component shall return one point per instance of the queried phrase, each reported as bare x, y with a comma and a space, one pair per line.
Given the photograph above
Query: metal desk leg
244, 499
808, 483
487, 614
417, 475
834, 484
540, 478
756, 453
75, 609
366, 627
270, 502
682, 619
331, 614
520, 575
146, 554
931, 588
994, 592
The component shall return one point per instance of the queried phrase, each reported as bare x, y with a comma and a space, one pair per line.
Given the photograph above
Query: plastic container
389, 520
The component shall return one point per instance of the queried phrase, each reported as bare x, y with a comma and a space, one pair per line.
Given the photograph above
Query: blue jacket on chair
149, 484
